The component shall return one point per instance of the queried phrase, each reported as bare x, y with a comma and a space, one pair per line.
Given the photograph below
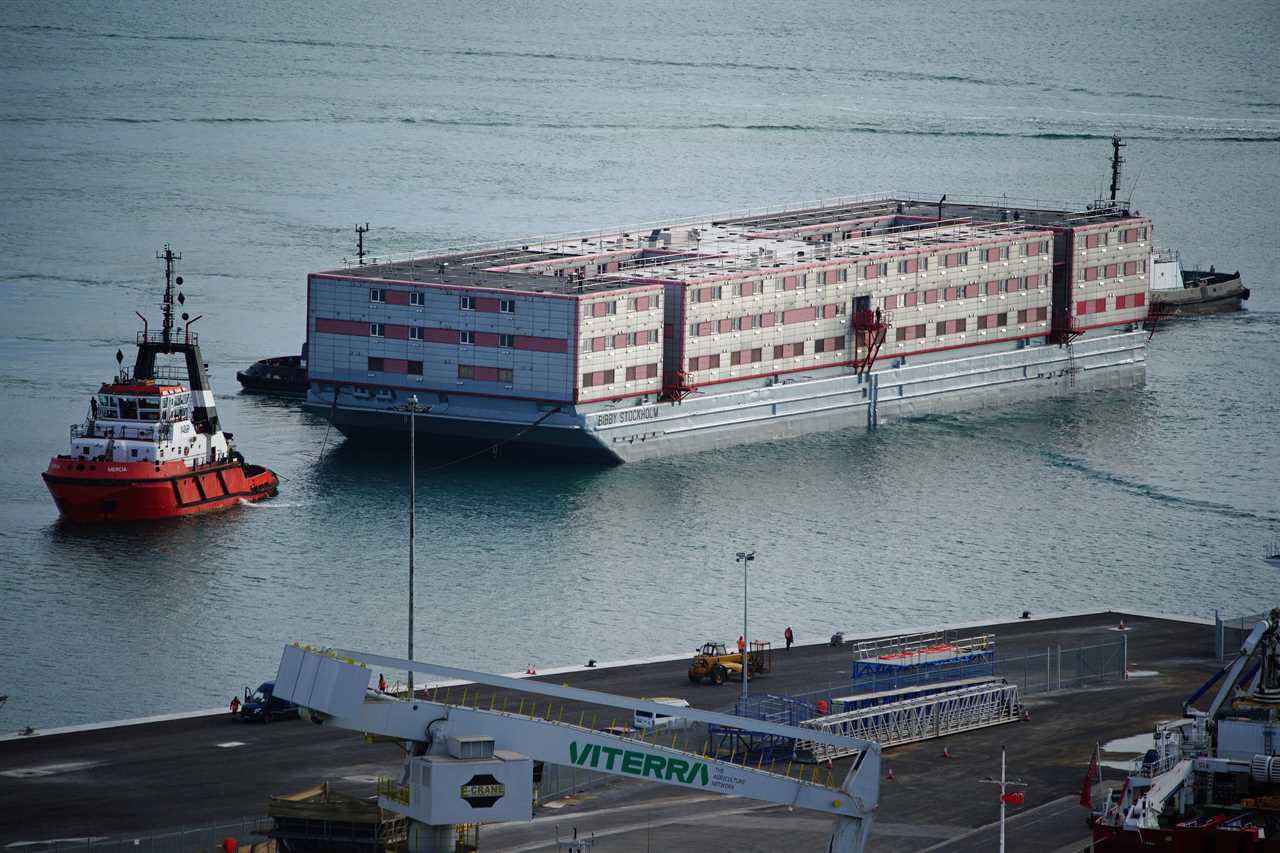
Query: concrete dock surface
134, 781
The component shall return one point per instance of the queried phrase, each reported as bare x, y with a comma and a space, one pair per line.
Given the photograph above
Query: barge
643, 342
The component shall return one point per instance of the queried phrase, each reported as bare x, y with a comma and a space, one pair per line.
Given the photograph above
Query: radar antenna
361, 230
1116, 160
169, 256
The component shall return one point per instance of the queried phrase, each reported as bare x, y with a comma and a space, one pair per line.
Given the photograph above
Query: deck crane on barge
475, 765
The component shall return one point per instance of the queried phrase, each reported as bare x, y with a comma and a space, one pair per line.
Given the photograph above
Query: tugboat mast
168, 256
1116, 160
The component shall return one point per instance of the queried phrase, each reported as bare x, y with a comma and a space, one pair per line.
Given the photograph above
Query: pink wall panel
395, 332
396, 297
486, 339
342, 327
800, 315
440, 336
395, 365
484, 303
535, 344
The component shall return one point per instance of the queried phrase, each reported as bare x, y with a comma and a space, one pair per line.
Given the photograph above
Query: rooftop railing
599, 235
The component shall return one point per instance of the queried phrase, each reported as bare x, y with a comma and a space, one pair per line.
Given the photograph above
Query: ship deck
129, 781
691, 249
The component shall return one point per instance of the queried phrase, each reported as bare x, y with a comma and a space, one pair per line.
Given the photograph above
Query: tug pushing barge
1211, 780
643, 342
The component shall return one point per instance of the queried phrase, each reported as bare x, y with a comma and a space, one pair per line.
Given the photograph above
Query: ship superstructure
657, 339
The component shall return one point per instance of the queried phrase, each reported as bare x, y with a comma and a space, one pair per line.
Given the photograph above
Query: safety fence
208, 838
1056, 668
1229, 633
913, 694
556, 782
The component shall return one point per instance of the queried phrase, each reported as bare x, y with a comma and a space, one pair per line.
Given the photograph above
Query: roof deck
689, 250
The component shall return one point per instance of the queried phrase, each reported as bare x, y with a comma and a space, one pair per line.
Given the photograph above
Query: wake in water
269, 504
1059, 460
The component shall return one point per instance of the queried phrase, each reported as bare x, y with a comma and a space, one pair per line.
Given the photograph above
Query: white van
650, 720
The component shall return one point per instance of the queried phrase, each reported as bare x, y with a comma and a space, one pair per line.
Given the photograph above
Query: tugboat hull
93, 491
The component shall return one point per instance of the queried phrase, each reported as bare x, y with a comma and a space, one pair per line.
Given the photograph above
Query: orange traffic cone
890, 776
1121, 626
946, 753
529, 670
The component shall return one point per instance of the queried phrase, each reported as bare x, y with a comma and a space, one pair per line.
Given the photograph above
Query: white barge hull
789, 407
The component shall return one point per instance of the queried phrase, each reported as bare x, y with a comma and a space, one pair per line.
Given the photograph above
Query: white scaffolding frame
926, 717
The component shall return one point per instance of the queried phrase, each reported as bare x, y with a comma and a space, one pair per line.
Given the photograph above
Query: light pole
1016, 797
411, 409
745, 557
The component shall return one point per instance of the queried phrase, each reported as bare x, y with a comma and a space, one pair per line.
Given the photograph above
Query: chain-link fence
188, 839
1229, 633
558, 782
1056, 668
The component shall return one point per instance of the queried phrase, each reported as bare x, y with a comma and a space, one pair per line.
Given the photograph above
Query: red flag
1014, 798
1091, 777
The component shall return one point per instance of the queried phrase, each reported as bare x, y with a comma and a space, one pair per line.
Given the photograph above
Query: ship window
507, 306
133, 452
375, 364
415, 333
377, 330
417, 297
128, 409
414, 368
467, 337
505, 374
467, 303
506, 341
377, 294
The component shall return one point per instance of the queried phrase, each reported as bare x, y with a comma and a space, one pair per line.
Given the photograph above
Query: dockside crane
469, 764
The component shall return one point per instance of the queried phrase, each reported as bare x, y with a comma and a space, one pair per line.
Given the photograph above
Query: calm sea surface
254, 136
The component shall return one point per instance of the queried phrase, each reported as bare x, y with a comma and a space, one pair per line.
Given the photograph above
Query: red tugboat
152, 447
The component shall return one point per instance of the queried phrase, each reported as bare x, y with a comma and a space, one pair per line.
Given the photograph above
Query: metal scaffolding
917, 719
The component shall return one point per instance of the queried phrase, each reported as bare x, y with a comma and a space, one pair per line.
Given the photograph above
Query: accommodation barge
666, 338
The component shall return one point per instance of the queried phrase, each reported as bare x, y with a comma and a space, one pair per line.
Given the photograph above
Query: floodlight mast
332, 686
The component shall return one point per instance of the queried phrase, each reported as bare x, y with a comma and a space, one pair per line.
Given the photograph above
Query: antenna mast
168, 256
1116, 160
361, 230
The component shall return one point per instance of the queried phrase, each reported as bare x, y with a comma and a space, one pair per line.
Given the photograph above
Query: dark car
262, 705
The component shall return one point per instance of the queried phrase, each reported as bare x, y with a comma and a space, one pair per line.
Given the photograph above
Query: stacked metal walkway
921, 718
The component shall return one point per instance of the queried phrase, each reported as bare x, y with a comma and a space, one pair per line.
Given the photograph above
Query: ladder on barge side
870, 328
926, 717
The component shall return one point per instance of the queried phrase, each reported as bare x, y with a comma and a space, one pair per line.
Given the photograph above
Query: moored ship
282, 374
1177, 292
151, 446
674, 337
1211, 780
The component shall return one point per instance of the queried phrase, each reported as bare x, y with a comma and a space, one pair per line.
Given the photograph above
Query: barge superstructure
646, 341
